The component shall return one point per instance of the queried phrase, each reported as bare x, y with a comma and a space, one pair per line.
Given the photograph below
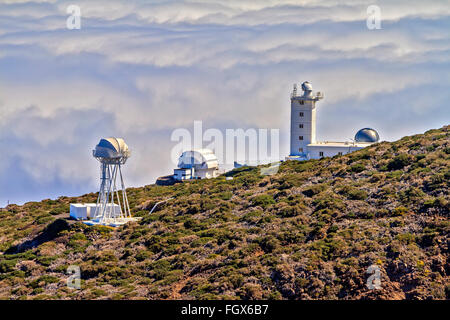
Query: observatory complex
304, 145
112, 207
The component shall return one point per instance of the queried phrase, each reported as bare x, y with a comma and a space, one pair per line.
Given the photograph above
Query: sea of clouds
140, 69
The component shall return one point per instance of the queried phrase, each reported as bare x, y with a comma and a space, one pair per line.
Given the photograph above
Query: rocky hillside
308, 232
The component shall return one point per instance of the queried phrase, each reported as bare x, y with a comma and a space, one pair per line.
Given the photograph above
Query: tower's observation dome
111, 150
307, 92
367, 135
306, 86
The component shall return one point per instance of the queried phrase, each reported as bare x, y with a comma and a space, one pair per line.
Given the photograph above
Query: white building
82, 211
303, 130
85, 211
197, 164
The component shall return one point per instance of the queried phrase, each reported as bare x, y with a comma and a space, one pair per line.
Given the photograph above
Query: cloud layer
141, 69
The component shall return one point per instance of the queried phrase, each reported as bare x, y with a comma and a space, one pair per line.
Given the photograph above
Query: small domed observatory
303, 130
197, 164
367, 135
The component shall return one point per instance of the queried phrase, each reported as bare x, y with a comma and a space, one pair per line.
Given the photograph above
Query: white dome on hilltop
198, 159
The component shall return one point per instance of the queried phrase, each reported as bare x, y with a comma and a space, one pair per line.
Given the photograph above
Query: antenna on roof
352, 144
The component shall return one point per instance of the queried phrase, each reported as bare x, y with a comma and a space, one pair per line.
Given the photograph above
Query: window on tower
300, 125
301, 114
321, 154
302, 102
339, 153
300, 138
300, 149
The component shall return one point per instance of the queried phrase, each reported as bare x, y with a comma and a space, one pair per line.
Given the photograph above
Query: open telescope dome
111, 149
306, 86
198, 159
367, 135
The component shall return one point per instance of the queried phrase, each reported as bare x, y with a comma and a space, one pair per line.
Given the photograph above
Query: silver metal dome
367, 135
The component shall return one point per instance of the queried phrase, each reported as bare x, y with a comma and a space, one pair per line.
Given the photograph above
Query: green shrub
269, 243
428, 238
98, 292
106, 255
406, 238
361, 155
413, 193
328, 248
78, 236
153, 243
99, 230
207, 204
262, 200
332, 229
288, 181
236, 280
395, 175
329, 203
227, 195
201, 241
291, 211
117, 273
45, 218
172, 277
45, 260
356, 168
195, 225
59, 210
160, 269
399, 211
353, 193
42, 281
399, 162
252, 216
7, 265
437, 181
315, 189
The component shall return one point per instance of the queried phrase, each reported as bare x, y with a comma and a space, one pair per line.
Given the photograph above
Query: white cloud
140, 69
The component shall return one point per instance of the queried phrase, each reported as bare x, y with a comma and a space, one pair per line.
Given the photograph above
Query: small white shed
84, 211
78, 211
90, 209
112, 211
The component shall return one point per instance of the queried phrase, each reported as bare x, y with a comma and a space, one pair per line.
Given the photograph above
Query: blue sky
140, 69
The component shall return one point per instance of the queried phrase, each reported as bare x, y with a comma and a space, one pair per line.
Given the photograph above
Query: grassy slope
308, 232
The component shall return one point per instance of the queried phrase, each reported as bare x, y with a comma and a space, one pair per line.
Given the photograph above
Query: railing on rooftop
318, 95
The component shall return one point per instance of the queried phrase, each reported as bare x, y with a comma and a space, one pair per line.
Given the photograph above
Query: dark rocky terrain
308, 232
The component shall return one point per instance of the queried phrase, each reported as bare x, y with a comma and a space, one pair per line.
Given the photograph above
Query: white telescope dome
198, 159
111, 149
306, 86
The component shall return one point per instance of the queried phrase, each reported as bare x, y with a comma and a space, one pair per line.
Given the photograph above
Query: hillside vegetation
308, 232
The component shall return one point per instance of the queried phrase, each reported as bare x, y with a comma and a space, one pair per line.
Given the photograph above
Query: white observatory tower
112, 205
303, 120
